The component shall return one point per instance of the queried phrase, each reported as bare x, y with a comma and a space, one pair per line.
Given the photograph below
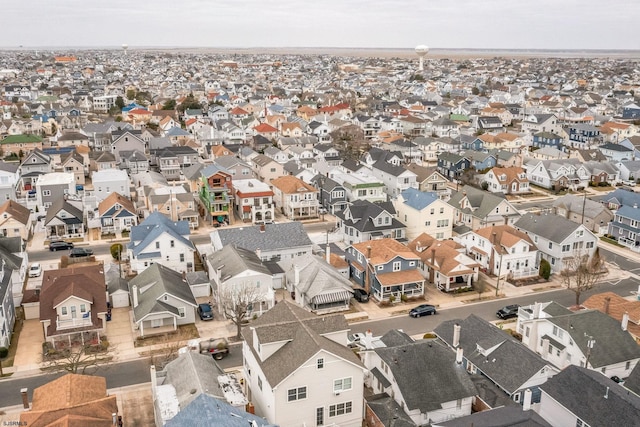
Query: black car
508, 312
60, 245
422, 310
360, 295
205, 312
80, 252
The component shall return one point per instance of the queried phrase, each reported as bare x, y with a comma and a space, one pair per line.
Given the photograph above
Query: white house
108, 181
424, 212
511, 180
298, 370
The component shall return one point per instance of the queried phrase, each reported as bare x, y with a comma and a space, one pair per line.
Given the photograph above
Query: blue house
547, 139
471, 143
625, 227
631, 111
451, 165
480, 160
385, 268
582, 135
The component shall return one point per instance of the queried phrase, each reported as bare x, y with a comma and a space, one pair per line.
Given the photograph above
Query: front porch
394, 285
454, 282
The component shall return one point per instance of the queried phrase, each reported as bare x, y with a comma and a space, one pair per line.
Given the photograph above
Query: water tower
421, 51
125, 47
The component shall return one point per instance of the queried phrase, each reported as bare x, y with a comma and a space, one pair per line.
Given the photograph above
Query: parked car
60, 245
355, 338
80, 252
205, 312
217, 348
422, 310
35, 270
322, 211
360, 295
508, 312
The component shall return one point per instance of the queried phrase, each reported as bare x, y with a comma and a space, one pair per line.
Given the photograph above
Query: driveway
29, 352
120, 334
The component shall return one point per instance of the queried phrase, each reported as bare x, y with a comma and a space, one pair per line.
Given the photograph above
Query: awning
553, 342
383, 380
332, 297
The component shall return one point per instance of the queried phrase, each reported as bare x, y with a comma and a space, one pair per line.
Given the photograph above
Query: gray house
363, 220
162, 300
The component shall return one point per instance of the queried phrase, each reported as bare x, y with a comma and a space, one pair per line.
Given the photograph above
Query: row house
296, 199
253, 201
385, 268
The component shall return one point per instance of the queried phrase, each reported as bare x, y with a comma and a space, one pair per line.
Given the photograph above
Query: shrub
545, 269
429, 335
404, 298
4, 352
392, 298
116, 250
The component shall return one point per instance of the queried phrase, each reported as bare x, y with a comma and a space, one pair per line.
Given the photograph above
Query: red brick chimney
607, 301
25, 397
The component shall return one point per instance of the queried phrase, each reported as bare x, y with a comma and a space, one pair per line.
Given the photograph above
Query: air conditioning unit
336, 393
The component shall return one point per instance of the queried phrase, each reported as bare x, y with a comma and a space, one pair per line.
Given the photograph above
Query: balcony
525, 313
73, 323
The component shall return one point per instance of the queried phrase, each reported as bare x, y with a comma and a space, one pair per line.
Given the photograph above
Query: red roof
238, 111
139, 111
265, 128
190, 122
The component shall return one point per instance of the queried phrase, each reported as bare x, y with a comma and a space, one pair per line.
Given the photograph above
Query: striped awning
331, 297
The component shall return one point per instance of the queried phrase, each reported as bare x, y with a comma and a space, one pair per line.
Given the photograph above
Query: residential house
134, 161
424, 212
107, 181
585, 338
333, 196
15, 220
583, 135
52, 187
558, 238
317, 286
625, 227
126, 140
73, 306
617, 152
511, 180
100, 160
72, 399
496, 361
476, 208
629, 170
385, 268
74, 162
444, 127
502, 250
234, 272
547, 140
116, 214
161, 300
175, 202
594, 215
396, 178
72, 139
451, 165
580, 397
280, 242
536, 123
502, 415
619, 197
625, 311
298, 370
602, 173
266, 168
14, 257
159, 240
253, 201
65, 219
236, 167
360, 186
296, 199
171, 161
362, 221
429, 179
14, 144
424, 379
9, 179
444, 263
557, 174
7, 305
216, 194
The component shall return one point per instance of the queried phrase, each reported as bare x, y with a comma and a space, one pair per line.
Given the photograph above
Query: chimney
625, 321
328, 254
262, 228
607, 301
368, 252
25, 397
296, 275
494, 238
259, 253
456, 335
459, 353
134, 291
537, 307
526, 402
184, 275
433, 257
368, 339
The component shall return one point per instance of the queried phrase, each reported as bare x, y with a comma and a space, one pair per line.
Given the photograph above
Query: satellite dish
421, 51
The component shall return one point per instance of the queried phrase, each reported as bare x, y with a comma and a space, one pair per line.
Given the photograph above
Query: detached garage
199, 283
118, 292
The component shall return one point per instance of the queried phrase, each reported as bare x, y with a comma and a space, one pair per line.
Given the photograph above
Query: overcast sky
479, 24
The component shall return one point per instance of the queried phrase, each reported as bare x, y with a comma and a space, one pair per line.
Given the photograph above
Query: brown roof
114, 198
16, 211
85, 282
617, 307
506, 236
400, 277
511, 174
383, 250
72, 400
337, 261
290, 184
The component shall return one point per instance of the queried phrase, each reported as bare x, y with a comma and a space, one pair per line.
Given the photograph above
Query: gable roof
417, 199
16, 211
482, 202
582, 392
274, 237
155, 225
290, 184
549, 226
384, 250
303, 332
232, 260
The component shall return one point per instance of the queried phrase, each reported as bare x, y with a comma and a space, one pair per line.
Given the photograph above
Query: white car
354, 338
35, 270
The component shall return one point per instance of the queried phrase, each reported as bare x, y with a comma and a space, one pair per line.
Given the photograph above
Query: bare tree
168, 348
480, 286
77, 359
581, 273
237, 302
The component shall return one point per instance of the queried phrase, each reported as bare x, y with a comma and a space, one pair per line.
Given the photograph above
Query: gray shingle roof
549, 226
155, 225
274, 237
482, 203
303, 332
427, 374
235, 260
154, 282
206, 410
509, 416
193, 371
583, 391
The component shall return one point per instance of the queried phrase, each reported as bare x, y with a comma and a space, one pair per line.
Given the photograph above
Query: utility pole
499, 272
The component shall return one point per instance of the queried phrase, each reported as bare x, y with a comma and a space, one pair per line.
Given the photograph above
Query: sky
440, 24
